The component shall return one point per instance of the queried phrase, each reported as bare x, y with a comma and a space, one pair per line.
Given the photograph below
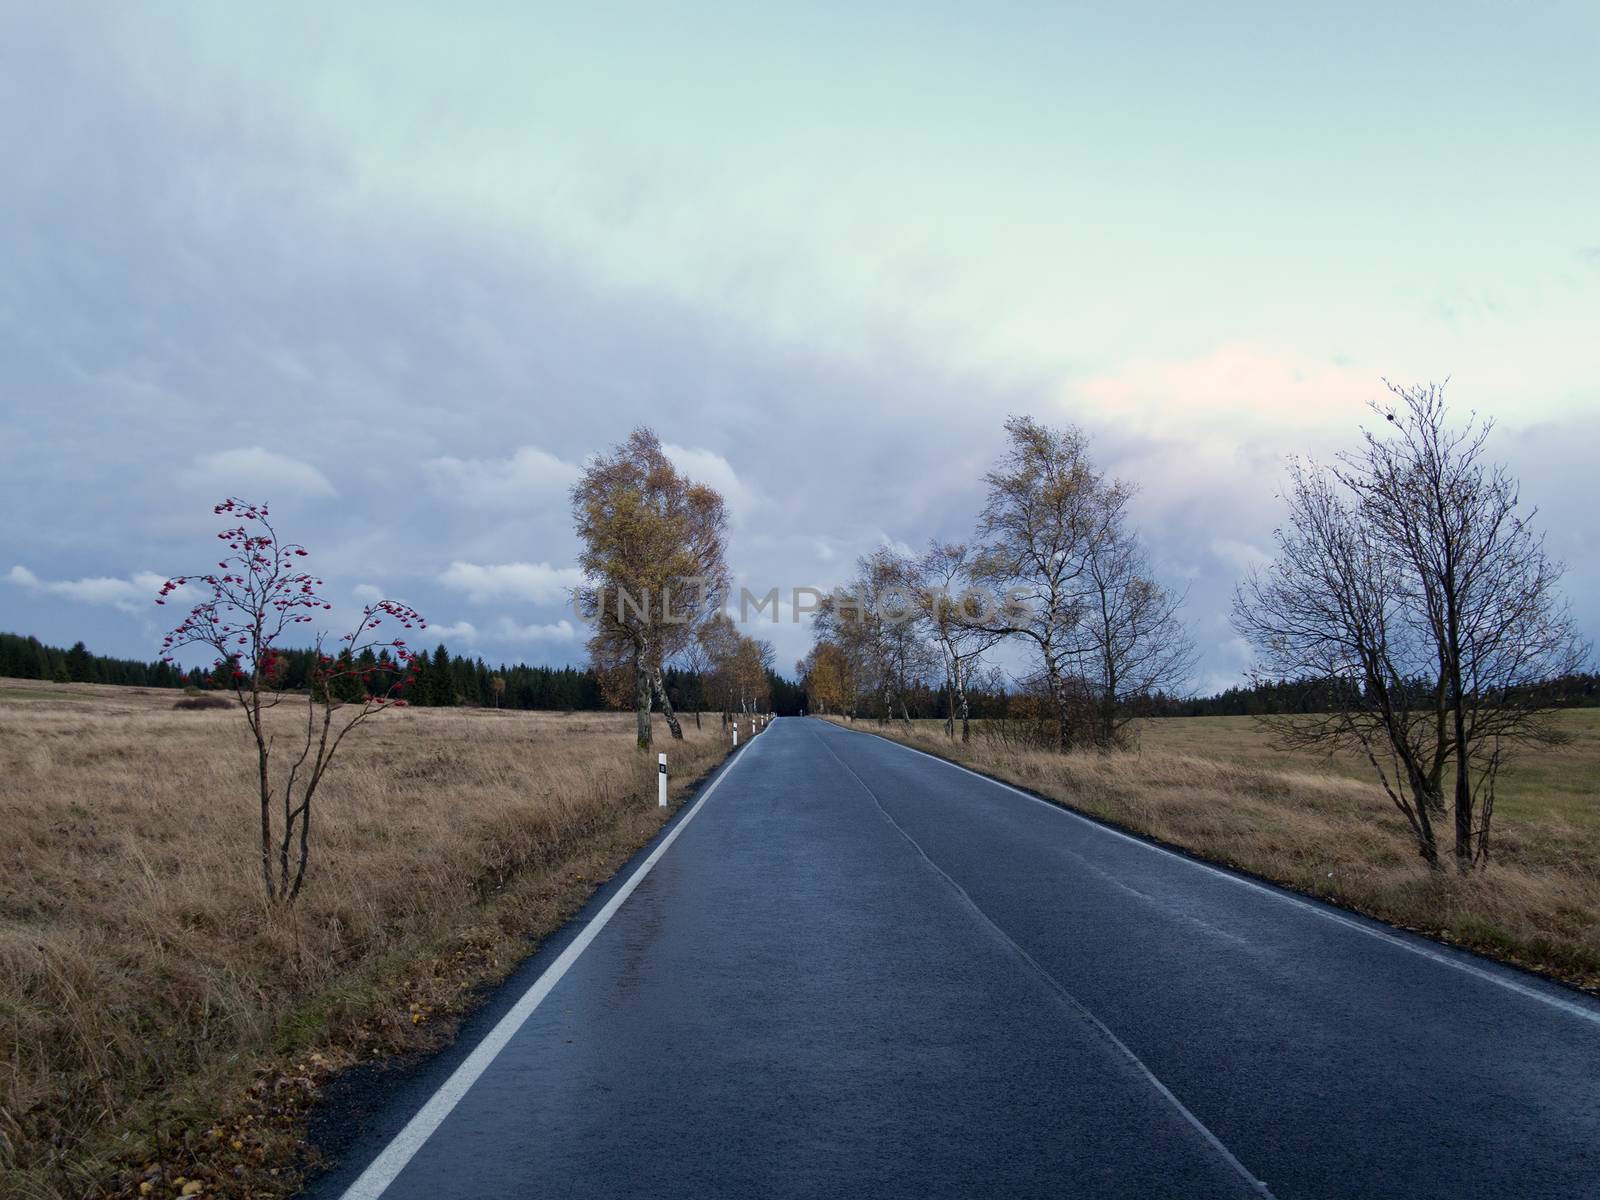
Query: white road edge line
1448, 959
383, 1169
1065, 996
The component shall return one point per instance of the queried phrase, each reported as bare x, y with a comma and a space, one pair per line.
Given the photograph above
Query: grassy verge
165, 1031
1218, 788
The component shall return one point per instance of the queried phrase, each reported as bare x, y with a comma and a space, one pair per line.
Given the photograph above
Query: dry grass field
160, 1023
1219, 787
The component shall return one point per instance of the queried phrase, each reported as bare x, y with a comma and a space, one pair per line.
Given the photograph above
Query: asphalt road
853, 970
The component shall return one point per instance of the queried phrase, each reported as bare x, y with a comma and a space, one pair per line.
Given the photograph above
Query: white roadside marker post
736, 735
661, 781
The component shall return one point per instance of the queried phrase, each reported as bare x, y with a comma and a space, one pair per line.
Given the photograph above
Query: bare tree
1328, 609
1408, 581
895, 584
1046, 511
953, 618
876, 622
1136, 644
1477, 575
696, 659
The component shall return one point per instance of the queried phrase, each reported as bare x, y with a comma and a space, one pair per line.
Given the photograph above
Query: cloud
559, 631
189, 272
1252, 386
366, 593
530, 475
895, 544
461, 631
136, 594
1239, 555
537, 582
257, 474
709, 467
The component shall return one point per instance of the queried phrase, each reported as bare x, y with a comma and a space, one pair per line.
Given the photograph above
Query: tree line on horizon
442, 679
577, 689
26, 657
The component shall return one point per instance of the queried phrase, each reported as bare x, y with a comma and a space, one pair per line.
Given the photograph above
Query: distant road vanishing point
851, 969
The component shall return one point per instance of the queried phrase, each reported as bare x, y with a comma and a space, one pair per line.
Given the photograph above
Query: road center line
1454, 959
383, 1169
1061, 991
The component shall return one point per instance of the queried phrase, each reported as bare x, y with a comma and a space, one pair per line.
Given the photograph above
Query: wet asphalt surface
858, 971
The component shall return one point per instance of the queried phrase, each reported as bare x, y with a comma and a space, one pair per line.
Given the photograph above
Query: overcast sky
399, 273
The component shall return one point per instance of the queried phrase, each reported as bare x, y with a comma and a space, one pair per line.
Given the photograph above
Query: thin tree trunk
1464, 854
1452, 650
1415, 812
1486, 808
1428, 842
666, 704
266, 800
305, 847
961, 697
1058, 688
1108, 707
641, 698
1424, 799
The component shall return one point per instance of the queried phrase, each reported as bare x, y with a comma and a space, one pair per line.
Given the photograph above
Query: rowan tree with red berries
258, 595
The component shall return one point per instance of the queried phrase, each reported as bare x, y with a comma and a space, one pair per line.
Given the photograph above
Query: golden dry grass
1219, 787
1561, 784
160, 1021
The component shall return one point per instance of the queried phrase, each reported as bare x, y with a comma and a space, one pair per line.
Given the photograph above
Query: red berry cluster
258, 593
